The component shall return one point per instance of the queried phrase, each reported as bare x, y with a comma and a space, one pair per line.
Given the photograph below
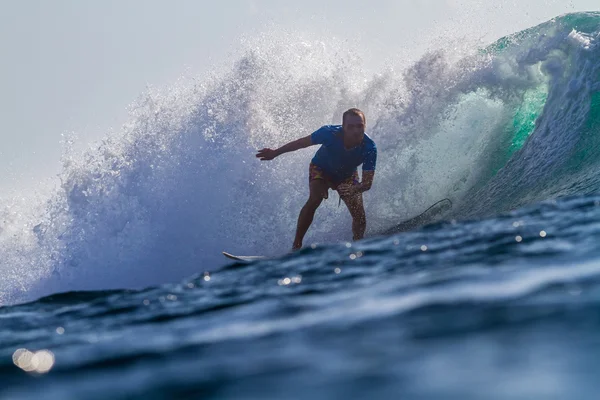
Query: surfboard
243, 258
427, 217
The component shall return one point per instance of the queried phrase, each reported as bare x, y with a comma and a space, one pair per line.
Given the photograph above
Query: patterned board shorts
315, 173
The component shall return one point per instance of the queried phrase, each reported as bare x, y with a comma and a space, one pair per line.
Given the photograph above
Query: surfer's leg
318, 191
359, 218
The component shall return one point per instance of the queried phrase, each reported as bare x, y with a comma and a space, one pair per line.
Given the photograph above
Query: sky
74, 66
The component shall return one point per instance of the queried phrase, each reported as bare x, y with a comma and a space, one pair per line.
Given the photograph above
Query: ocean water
113, 284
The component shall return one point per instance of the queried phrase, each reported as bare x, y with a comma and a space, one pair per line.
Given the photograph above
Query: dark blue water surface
506, 307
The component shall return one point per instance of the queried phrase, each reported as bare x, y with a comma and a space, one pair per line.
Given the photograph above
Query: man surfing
334, 166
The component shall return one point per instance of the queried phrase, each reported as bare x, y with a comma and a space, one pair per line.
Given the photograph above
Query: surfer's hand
347, 190
266, 154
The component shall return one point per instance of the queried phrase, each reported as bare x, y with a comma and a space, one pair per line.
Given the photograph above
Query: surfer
334, 166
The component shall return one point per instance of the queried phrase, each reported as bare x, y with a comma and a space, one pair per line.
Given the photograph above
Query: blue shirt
338, 162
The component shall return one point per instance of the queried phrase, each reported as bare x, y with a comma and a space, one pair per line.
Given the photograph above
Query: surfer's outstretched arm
269, 154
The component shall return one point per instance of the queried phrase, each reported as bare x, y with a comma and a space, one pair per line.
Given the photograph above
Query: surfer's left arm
368, 173
351, 190
367, 181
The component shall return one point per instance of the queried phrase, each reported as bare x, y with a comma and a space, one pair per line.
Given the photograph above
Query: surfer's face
354, 130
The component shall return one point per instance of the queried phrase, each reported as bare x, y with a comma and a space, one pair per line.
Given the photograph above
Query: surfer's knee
313, 202
356, 208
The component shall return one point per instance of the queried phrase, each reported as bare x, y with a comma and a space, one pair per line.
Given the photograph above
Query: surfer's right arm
269, 154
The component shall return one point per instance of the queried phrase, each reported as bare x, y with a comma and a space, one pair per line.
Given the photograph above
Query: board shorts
315, 172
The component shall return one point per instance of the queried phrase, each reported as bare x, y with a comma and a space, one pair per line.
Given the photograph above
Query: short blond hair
356, 112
